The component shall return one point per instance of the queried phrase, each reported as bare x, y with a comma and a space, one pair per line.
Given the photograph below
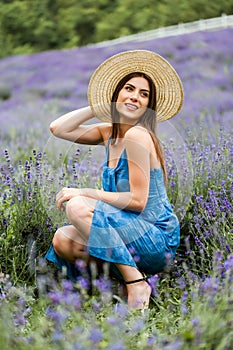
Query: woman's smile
133, 98
131, 106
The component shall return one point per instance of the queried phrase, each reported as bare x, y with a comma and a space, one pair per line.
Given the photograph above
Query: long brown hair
148, 119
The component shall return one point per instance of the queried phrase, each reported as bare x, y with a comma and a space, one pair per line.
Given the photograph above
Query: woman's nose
134, 96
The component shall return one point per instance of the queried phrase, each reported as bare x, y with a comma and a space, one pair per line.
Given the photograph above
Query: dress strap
109, 140
107, 150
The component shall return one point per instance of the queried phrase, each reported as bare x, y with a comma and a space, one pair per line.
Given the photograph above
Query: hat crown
169, 90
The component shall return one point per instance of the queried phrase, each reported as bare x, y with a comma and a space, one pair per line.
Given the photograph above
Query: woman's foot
139, 292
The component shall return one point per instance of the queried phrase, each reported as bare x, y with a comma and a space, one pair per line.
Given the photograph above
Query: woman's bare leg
70, 242
139, 292
79, 211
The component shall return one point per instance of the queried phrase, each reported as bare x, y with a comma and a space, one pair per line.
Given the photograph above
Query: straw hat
169, 90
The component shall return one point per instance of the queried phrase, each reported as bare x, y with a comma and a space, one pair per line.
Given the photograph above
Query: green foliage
28, 214
25, 223
5, 93
210, 208
186, 314
30, 26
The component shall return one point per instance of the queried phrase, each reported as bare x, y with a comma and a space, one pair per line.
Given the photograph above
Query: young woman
129, 222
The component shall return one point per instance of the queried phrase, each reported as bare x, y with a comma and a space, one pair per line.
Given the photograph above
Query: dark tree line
28, 26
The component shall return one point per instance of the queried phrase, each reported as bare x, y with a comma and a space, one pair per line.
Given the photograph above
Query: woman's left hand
66, 194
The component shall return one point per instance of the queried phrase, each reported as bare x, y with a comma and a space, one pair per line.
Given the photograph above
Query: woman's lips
131, 106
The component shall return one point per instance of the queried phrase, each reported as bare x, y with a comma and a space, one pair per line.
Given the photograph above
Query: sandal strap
135, 281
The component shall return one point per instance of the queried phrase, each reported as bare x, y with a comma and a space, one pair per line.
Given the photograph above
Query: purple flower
181, 282
67, 285
57, 317
95, 335
114, 320
81, 265
102, 284
83, 282
55, 297
195, 321
151, 341
122, 310
117, 346
96, 306
138, 325
153, 282
58, 336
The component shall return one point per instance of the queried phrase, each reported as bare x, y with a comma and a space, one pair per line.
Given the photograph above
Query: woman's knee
69, 245
76, 207
57, 241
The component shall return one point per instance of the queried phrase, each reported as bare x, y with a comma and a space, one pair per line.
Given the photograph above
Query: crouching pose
129, 222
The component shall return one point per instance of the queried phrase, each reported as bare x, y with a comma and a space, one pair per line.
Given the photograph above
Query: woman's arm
138, 145
70, 127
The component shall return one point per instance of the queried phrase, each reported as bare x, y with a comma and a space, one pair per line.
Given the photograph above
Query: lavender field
192, 303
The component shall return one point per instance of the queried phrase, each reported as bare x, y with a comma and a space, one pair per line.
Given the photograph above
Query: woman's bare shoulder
138, 133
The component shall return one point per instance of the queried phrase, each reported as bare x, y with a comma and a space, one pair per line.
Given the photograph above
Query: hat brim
169, 90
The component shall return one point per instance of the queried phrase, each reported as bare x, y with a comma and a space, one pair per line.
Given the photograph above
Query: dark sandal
139, 280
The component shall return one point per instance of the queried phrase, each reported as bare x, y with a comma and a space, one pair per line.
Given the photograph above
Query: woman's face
133, 99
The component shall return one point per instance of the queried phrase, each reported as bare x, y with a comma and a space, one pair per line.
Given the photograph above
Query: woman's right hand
65, 195
71, 127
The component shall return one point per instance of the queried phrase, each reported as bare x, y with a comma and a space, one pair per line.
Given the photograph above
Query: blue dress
145, 240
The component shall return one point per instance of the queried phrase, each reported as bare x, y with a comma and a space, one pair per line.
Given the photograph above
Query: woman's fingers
65, 195
62, 197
